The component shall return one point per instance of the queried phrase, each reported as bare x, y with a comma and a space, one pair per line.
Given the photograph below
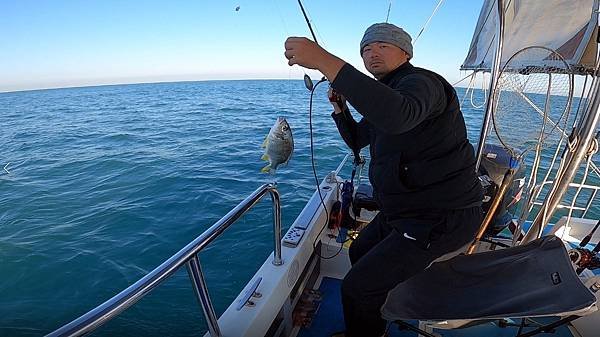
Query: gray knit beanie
386, 32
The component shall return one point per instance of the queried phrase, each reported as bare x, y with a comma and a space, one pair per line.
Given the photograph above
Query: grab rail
188, 255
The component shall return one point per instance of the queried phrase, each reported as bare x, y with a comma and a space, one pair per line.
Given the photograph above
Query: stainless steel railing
188, 255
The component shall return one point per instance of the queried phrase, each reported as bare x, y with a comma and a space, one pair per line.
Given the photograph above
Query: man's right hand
308, 54
337, 101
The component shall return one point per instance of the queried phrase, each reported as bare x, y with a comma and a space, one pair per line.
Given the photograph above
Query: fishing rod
312, 32
307, 80
588, 237
335, 97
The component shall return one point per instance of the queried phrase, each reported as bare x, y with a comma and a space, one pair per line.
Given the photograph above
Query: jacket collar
402, 70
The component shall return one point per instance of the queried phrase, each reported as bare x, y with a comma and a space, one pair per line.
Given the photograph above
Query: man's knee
352, 285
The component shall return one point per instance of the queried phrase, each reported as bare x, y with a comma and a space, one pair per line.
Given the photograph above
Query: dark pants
388, 252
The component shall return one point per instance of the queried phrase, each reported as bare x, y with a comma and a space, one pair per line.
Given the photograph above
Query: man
422, 166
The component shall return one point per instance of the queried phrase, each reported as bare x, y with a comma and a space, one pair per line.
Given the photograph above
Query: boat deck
329, 319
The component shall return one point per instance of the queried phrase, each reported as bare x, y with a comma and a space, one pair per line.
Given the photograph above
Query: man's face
380, 58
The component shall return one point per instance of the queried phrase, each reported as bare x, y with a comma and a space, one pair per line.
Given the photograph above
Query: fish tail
266, 169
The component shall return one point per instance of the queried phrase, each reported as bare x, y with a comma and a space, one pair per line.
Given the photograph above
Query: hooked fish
279, 145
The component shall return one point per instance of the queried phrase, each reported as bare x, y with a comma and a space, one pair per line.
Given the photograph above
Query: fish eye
285, 128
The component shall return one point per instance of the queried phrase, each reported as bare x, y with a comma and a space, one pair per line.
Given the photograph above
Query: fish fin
265, 157
266, 169
265, 142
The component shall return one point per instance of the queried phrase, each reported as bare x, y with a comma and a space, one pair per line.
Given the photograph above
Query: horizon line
142, 82
154, 82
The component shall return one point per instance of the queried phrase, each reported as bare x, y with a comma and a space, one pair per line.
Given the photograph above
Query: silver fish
279, 145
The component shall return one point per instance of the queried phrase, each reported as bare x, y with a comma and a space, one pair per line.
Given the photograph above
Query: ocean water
107, 182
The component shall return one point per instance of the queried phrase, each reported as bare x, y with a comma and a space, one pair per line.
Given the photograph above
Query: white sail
528, 23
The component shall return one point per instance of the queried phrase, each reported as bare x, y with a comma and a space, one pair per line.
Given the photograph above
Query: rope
485, 93
471, 89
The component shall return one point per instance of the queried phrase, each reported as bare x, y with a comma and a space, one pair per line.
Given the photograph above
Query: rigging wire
464, 78
427, 22
387, 17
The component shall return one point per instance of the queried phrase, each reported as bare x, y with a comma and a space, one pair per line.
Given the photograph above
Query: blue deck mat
329, 319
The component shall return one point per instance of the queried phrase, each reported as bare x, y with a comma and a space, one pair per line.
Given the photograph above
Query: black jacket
421, 159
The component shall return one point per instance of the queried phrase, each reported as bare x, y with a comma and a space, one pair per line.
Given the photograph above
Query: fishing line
281, 18
290, 86
312, 160
309, 85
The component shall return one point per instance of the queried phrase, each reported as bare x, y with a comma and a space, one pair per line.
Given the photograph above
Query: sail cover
566, 26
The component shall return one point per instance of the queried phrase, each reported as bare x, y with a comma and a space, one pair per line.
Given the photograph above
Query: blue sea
107, 182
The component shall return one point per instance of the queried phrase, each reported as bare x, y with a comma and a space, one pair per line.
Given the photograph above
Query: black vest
430, 167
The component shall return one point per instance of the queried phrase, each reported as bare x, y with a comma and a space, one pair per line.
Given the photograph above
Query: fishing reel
339, 216
336, 98
584, 258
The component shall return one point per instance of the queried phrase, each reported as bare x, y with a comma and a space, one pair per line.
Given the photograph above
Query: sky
61, 43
